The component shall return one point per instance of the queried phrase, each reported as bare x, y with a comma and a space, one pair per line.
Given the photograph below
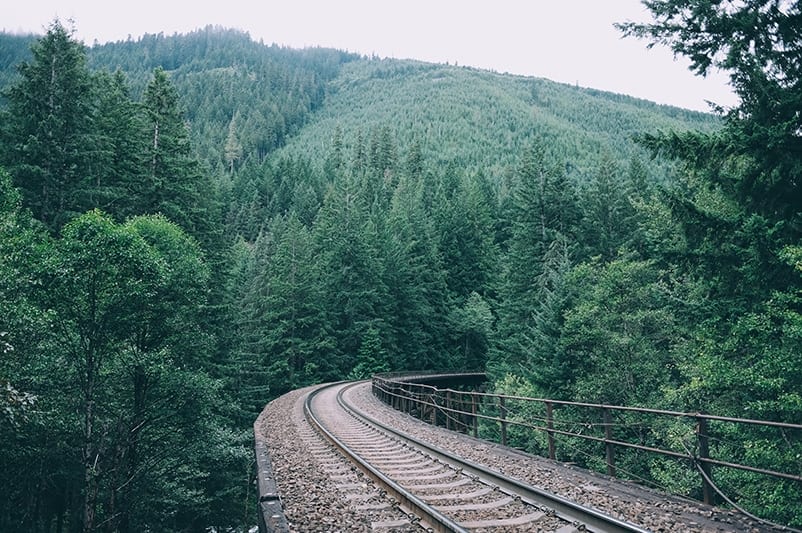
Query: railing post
463, 422
549, 432
475, 418
434, 408
704, 453
448, 410
502, 414
609, 447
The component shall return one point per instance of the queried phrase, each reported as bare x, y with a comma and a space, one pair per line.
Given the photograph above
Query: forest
192, 225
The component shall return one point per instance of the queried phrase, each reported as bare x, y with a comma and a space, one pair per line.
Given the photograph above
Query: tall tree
347, 242
117, 157
464, 221
543, 211
99, 279
48, 131
171, 187
294, 336
759, 44
415, 280
738, 206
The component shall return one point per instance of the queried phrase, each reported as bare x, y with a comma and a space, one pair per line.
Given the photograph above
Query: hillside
481, 120
474, 119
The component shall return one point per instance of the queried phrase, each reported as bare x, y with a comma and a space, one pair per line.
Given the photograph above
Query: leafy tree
737, 209
548, 366
233, 148
372, 357
98, 282
23, 328
618, 333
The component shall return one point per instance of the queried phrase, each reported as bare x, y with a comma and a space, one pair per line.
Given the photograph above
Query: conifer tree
606, 211
48, 131
354, 291
170, 185
414, 277
543, 212
294, 326
117, 160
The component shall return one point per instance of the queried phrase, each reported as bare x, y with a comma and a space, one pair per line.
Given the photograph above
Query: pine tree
294, 323
607, 214
118, 155
464, 221
354, 291
171, 185
49, 131
415, 280
543, 212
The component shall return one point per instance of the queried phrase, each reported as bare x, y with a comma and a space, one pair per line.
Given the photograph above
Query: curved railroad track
437, 490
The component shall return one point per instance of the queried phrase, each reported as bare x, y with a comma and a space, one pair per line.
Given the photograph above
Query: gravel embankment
320, 490
626, 501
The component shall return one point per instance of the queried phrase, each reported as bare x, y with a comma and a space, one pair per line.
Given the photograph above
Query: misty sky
571, 41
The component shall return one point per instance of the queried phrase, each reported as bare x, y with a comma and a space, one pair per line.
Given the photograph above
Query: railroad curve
321, 490
439, 490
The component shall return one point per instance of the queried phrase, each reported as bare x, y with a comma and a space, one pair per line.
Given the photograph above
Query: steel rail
410, 503
570, 511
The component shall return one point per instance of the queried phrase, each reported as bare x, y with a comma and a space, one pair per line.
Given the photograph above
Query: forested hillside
192, 225
483, 121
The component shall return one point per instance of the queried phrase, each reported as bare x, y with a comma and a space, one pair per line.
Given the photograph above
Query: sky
570, 41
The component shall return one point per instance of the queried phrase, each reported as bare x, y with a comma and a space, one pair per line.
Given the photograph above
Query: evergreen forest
193, 225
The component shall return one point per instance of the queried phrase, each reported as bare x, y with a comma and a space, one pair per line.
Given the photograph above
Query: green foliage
618, 333
481, 121
372, 357
220, 221
228, 81
473, 324
542, 217
758, 44
106, 327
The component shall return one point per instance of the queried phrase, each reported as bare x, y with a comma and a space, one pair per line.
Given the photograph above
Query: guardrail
270, 510
609, 426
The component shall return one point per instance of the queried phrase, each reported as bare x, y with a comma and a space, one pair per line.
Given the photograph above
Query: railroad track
438, 491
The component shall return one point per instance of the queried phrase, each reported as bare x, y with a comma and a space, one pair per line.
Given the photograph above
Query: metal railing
612, 427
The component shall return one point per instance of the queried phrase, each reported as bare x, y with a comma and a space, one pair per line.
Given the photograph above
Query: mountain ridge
294, 100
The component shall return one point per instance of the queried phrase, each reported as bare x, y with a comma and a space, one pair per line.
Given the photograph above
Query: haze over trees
192, 225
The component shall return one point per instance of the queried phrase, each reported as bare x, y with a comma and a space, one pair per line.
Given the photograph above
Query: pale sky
571, 41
